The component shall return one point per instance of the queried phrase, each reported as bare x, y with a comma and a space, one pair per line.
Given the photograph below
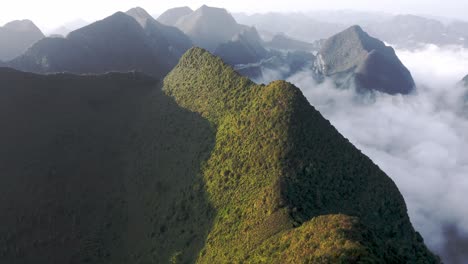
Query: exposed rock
352, 57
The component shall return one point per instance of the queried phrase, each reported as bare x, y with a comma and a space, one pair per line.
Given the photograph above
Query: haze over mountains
245, 47
404, 31
208, 27
209, 166
123, 179
171, 16
16, 37
68, 27
116, 43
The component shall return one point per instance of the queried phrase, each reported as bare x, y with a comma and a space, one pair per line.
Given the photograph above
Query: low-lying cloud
419, 140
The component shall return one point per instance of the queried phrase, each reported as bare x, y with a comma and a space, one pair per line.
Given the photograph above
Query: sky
50, 14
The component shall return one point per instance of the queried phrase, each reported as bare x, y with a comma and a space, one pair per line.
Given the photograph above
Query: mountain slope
283, 42
99, 169
282, 179
208, 27
354, 57
116, 43
246, 47
171, 16
165, 39
211, 169
16, 37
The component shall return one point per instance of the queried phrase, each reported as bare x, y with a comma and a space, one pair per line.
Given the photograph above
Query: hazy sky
49, 14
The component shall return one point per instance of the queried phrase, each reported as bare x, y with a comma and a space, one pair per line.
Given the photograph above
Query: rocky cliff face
352, 57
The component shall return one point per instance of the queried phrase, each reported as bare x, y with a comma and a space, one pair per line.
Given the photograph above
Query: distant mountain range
171, 16
283, 42
116, 43
16, 37
353, 58
69, 27
136, 41
300, 26
208, 27
246, 47
409, 31
403, 31
212, 168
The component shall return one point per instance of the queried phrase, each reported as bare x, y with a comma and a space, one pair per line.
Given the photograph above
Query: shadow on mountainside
99, 169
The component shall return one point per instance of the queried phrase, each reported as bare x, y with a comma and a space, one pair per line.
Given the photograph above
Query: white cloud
419, 140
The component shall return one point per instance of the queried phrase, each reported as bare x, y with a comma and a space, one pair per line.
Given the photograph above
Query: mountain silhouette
171, 16
208, 27
16, 37
283, 42
116, 43
166, 39
246, 47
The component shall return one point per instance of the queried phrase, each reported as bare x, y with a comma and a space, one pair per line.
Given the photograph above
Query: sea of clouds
420, 140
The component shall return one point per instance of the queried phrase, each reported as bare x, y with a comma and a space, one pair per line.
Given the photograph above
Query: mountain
286, 185
283, 42
116, 43
460, 30
99, 169
208, 27
68, 27
465, 80
166, 39
349, 17
16, 37
410, 31
246, 47
171, 16
352, 57
211, 169
297, 25
279, 66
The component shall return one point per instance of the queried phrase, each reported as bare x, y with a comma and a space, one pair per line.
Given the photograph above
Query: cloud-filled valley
271, 179
419, 140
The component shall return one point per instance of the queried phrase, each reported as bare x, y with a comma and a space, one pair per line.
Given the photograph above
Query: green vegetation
211, 169
277, 164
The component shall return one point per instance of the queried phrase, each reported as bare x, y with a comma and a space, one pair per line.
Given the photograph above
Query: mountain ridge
17, 36
244, 48
354, 56
153, 49
171, 16
253, 118
209, 26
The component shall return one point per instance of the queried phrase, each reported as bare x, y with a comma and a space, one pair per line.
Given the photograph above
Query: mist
419, 140
51, 14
